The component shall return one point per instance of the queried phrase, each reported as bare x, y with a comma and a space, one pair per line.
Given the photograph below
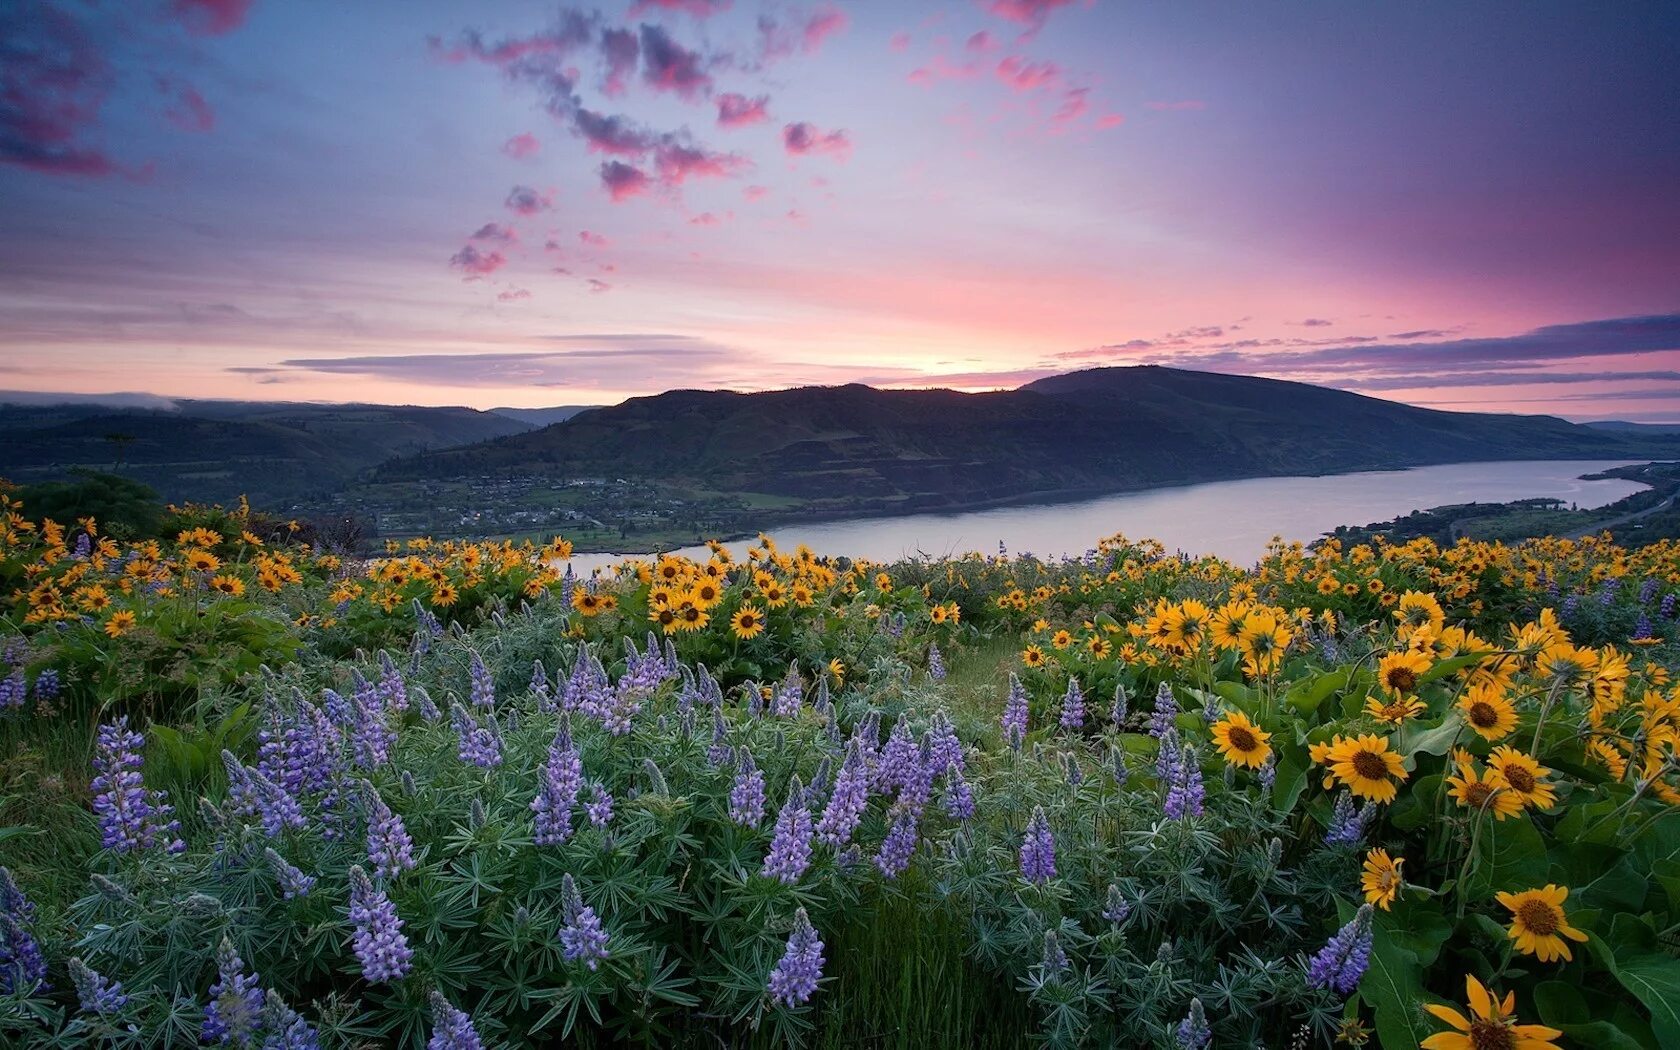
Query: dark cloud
211, 17
805, 138
623, 181
1031, 13
1313, 322
53, 81
494, 231
778, 39
697, 8
476, 263
668, 66
1529, 378
524, 200
736, 111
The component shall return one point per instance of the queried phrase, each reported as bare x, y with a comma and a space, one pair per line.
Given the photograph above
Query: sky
1455, 204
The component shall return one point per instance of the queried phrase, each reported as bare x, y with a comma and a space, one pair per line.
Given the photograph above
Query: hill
825, 451
542, 417
276, 453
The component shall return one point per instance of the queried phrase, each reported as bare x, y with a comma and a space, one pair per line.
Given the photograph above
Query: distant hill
274, 452
855, 449
1634, 428
542, 417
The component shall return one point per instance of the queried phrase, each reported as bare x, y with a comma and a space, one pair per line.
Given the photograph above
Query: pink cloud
594, 240
1179, 106
705, 218
477, 263
697, 8
188, 111
668, 66
753, 193
522, 146
982, 42
494, 232
803, 138
1022, 75
1110, 120
736, 111
211, 17
1074, 104
899, 41
1027, 12
52, 84
596, 285
806, 34
524, 200
513, 295
942, 68
620, 50
676, 164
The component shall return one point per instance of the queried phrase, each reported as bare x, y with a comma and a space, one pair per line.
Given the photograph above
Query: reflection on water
1233, 519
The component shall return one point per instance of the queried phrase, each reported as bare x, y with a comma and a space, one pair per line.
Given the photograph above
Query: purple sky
1456, 204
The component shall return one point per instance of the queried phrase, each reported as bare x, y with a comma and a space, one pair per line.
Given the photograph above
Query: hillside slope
855, 448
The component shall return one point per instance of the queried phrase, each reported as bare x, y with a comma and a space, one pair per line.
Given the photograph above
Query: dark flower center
1538, 916
1482, 715
1519, 778
1491, 1035
1370, 765
1402, 679
1241, 739
1477, 793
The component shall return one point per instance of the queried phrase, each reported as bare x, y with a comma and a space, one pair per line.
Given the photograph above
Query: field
257, 794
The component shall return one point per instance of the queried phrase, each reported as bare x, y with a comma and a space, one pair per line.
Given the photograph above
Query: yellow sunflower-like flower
120, 623
747, 622
1032, 656
1365, 764
1491, 1024
1488, 711
1398, 673
1395, 711
1418, 609
1525, 777
1062, 638
1241, 742
1538, 922
837, 668
1483, 791
1381, 880
232, 586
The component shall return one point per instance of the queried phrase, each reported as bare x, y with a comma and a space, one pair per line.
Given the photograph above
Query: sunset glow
533, 204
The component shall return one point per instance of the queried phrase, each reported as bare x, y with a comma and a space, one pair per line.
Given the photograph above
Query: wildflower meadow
262, 795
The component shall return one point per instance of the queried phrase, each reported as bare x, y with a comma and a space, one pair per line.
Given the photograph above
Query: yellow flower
1098, 646
1241, 742
1032, 656
664, 615
1418, 609
1483, 790
1397, 711
232, 586
1381, 880
1525, 777
1538, 923
747, 622
444, 595
1487, 711
1398, 673
837, 668
1062, 638
1365, 764
120, 623
1491, 1024
202, 561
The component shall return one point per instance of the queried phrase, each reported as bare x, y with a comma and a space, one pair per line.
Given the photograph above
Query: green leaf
1650, 975
1562, 1006
1393, 986
1510, 856
1307, 696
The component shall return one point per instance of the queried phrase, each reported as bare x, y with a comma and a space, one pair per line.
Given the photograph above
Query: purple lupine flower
257, 796
618, 714
582, 937
389, 847
1268, 774
371, 735
452, 1029
22, 965
1054, 959
1666, 608
313, 744
790, 850
1347, 823
1118, 710
95, 993
898, 759
130, 816
1015, 713
720, 751
746, 796
1194, 1032
1116, 908
480, 683
1038, 850
1185, 791
944, 749
587, 688
293, 882
902, 836
959, 797
478, 745
794, 980
1642, 628
936, 664
425, 705
1075, 774
377, 938
540, 687
1117, 767
1340, 964
236, 1001
600, 806
13, 690
846, 803
790, 695
1571, 603
1210, 709
1607, 590
393, 689
46, 685
12, 899
284, 1028
1648, 590
562, 780
1165, 713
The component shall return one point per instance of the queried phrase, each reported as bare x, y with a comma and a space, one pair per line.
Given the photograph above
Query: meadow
258, 794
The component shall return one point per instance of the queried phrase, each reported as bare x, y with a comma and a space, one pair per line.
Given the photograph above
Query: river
1234, 519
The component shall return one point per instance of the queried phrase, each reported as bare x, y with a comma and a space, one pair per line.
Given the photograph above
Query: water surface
1233, 519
